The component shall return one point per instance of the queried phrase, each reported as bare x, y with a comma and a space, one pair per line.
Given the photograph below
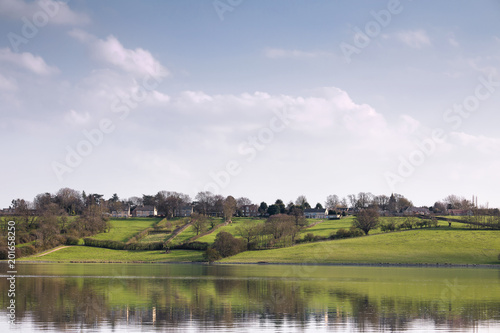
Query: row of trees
73, 202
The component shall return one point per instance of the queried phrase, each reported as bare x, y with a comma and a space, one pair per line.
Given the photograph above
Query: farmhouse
144, 211
123, 212
417, 211
315, 213
249, 210
460, 212
184, 211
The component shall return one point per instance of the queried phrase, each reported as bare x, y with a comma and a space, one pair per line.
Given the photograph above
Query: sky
263, 99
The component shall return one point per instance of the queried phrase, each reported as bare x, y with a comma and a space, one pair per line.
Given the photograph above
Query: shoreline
422, 265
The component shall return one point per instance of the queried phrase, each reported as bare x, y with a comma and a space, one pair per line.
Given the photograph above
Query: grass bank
123, 229
425, 246
95, 254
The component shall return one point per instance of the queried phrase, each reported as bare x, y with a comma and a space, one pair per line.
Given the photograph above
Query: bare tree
301, 201
218, 205
70, 200
366, 220
204, 201
250, 231
332, 202
381, 201
42, 201
229, 208
243, 201
364, 199
352, 200
282, 228
199, 222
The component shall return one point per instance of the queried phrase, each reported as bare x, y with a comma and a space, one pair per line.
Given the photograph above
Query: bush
27, 250
71, 240
309, 237
212, 255
388, 226
343, 233
355, 232
199, 246
227, 245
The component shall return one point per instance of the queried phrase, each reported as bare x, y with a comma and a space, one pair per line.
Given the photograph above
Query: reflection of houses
460, 212
249, 210
315, 213
417, 211
184, 211
144, 211
123, 212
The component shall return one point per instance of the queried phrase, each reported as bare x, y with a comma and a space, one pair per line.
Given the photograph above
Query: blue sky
264, 99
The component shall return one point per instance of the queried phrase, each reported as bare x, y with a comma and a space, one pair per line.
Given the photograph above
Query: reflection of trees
209, 300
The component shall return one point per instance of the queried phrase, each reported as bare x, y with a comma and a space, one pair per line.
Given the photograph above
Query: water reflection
156, 297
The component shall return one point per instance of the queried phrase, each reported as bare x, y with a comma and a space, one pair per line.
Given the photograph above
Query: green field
124, 229
186, 234
156, 237
230, 228
95, 254
325, 228
455, 245
428, 246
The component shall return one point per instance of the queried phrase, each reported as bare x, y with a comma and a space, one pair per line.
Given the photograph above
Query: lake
55, 297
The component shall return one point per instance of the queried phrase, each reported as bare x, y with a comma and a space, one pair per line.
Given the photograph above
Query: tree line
68, 215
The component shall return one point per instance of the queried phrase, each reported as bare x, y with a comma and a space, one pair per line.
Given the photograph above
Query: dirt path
53, 250
176, 232
314, 224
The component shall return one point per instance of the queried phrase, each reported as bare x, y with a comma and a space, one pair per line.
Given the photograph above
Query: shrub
355, 232
388, 226
199, 246
227, 245
27, 250
71, 240
212, 255
309, 237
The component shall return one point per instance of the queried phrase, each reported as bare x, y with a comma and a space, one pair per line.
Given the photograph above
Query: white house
316, 213
144, 211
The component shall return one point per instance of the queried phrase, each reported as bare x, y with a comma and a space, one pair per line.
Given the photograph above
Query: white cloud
415, 39
138, 62
76, 118
28, 61
7, 84
57, 12
274, 53
480, 143
453, 42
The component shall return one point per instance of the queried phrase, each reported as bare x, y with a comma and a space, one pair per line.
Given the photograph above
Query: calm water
249, 298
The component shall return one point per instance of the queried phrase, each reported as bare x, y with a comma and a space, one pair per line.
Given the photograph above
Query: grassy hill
414, 246
96, 254
124, 229
456, 245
